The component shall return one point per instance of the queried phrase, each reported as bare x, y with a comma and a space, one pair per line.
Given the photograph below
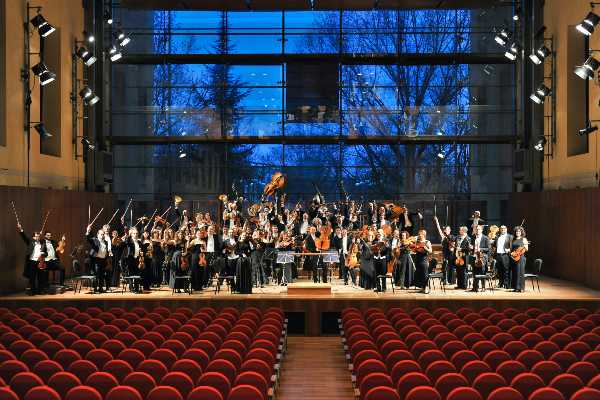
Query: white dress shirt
50, 251
37, 251
500, 244
210, 244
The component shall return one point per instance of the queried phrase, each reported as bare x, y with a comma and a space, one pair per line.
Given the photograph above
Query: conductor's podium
309, 289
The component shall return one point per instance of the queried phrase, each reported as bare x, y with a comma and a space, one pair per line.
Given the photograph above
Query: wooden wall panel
69, 214
563, 228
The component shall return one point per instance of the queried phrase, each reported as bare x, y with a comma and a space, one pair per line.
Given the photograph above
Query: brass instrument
177, 200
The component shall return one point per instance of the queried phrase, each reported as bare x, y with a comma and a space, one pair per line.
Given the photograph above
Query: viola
517, 253
202, 260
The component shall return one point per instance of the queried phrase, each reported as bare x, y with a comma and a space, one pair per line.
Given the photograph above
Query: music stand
284, 257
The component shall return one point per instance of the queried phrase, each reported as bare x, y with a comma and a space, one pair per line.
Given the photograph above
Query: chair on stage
130, 281
80, 278
488, 276
537, 269
433, 275
185, 282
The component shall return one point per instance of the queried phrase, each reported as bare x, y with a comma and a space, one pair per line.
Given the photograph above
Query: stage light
540, 54
108, 17
182, 154
513, 51
89, 145
441, 155
114, 53
517, 14
86, 56
43, 73
489, 69
588, 129
41, 129
586, 71
502, 37
88, 96
540, 93
90, 38
43, 27
539, 145
588, 24
122, 38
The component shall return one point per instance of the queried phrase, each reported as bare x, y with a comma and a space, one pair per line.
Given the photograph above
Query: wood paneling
69, 214
563, 228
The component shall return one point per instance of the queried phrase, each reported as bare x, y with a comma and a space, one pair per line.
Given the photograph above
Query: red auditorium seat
205, 393
62, 382
430, 356
546, 331
37, 338
423, 393
140, 381
438, 368
473, 369
580, 349
510, 369
46, 368
463, 357
224, 367
217, 381
368, 367
382, 393
574, 331
245, 392
514, 348
593, 357
10, 368
99, 357
114, 347
253, 379
33, 356
207, 346
486, 383
583, 370
529, 358
365, 355
123, 393
132, 356
66, 357
464, 393
526, 383
490, 331
45, 393
495, 358
567, 384
6, 355
452, 347
198, 356
414, 337
591, 339
118, 368
82, 347
404, 367
561, 339
230, 355
82, 368
19, 347
23, 381
166, 356
564, 358
189, 367
502, 338
154, 337
448, 382
67, 338
409, 381
103, 382
505, 393
165, 393
472, 338
82, 330
586, 394
559, 325
83, 393
180, 381
547, 370
7, 394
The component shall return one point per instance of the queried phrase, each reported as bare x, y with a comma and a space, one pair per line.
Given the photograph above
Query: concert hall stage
314, 312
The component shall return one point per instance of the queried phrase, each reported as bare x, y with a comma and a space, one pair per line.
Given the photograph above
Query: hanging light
182, 154
43, 73
114, 53
539, 145
513, 51
540, 93
41, 130
502, 37
540, 54
587, 70
588, 129
89, 37
441, 155
122, 38
88, 96
588, 24
108, 17
517, 14
43, 27
87, 144
85, 55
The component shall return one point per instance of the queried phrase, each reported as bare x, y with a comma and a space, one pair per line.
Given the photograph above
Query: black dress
421, 267
146, 273
176, 269
367, 269
243, 271
158, 258
197, 271
518, 267
403, 269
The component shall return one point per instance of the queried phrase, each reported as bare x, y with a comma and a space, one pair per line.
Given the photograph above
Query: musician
179, 265
133, 251
168, 245
382, 217
195, 246
52, 261
403, 266
158, 258
474, 221
214, 245
422, 251
448, 244
36, 249
380, 257
519, 243
406, 221
285, 243
146, 271
503, 244
463, 247
367, 268
117, 247
243, 270
230, 262
341, 243
482, 246
311, 262
98, 254
256, 254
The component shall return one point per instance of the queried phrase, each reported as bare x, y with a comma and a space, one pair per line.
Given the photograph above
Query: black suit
503, 261
54, 264
380, 263
484, 247
462, 245
98, 263
211, 269
312, 262
37, 277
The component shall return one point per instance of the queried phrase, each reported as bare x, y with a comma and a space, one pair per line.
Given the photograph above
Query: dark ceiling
269, 5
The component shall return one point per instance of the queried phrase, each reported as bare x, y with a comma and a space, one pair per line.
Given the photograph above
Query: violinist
36, 249
448, 247
422, 248
179, 260
380, 255
519, 247
148, 256
243, 272
475, 221
52, 261
256, 253
367, 269
168, 245
341, 243
285, 243
195, 247
213, 249
403, 265
132, 252
503, 244
158, 257
481, 249
117, 254
98, 255
310, 243
462, 250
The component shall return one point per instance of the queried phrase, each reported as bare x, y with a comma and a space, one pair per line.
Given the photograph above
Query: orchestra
242, 245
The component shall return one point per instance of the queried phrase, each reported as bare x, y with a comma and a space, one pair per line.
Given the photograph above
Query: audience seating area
136, 354
467, 354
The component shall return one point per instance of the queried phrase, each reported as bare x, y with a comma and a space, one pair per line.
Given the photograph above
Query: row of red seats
230, 354
476, 352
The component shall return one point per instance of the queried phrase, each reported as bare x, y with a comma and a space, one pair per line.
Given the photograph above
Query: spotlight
586, 71
90, 38
513, 52
41, 129
540, 93
88, 96
539, 145
588, 129
441, 155
122, 38
108, 17
502, 37
114, 53
517, 14
43, 27
86, 143
540, 54
182, 154
86, 56
43, 73
489, 69
588, 24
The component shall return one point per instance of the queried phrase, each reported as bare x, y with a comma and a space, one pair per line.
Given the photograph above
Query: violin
325, 238
517, 253
352, 256
277, 182
62, 244
41, 262
184, 263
